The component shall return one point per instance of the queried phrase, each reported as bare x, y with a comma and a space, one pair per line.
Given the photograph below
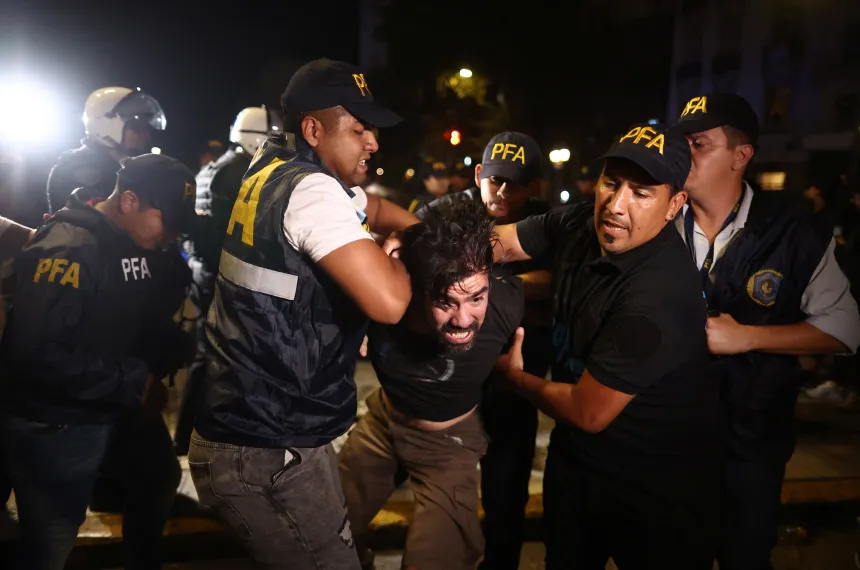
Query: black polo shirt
636, 321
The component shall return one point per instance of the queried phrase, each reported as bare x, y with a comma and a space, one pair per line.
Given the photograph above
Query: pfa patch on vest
763, 286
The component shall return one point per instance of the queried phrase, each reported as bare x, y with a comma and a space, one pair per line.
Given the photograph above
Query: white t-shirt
321, 217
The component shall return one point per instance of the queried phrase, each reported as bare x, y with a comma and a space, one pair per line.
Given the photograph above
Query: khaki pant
442, 466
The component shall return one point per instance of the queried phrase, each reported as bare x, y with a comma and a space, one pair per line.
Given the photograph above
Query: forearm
13, 239
555, 399
386, 217
796, 339
537, 285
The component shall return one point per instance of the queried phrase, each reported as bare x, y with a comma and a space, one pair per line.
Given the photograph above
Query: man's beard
450, 348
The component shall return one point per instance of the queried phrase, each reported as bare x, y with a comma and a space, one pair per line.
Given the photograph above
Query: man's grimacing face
457, 318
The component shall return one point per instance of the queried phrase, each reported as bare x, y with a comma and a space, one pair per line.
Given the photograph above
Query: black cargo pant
511, 423
286, 505
752, 505
642, 521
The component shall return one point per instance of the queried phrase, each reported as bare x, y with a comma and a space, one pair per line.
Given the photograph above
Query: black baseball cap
164, 183
512, 156
433, 167
460, 169
662, 152
324, 83
716, 110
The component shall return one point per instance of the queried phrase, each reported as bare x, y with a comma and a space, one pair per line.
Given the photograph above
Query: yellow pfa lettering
632, 134
245, 207
695, 105
189, 191
361, 83
518, 152
658, 142
43, 267
497, 148
71, 276
59, 267
70, 272
520, 155
640, 134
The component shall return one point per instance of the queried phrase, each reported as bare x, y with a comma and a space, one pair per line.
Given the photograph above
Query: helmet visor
141, 107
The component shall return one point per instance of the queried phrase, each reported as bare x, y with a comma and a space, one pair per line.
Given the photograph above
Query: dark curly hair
449, 245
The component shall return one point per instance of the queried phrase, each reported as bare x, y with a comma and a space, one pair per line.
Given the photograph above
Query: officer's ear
129, 203
312, 129
676, 203
478, 170
743, 155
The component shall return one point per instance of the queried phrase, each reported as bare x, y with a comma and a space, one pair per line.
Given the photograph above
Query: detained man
432, 366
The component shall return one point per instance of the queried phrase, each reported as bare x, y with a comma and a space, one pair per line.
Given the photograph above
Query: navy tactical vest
282, 337
759, 281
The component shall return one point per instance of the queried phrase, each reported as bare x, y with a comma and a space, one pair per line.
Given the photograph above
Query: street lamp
465, 73
559, 156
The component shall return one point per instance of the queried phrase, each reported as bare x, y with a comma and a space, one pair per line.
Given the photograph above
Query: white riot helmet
251, 128
109, 109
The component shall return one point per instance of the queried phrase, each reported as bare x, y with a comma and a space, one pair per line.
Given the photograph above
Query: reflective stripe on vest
258, 279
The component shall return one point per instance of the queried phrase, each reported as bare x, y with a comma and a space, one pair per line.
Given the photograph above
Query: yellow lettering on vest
59, 267
632, 134
658, 142
497, 148
71, 276
361, 83
521, 155
695, 105
43, 267
245, 207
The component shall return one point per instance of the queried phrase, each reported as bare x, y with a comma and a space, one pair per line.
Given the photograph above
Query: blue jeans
53, 469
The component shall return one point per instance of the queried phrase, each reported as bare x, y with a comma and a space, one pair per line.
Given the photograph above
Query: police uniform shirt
827, 298
637, 322
321, 217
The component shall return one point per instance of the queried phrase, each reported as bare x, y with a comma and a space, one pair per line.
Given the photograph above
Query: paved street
827, 450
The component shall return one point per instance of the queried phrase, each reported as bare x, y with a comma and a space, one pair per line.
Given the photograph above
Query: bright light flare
559, 155
155, 150
465, 73
564, 196
28, 113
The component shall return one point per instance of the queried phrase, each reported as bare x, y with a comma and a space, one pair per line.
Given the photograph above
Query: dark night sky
202, 64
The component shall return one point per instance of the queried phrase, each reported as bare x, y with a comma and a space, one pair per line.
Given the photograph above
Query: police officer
633, 461
507, 180
218, 185
774, 291
461, 177
84, 349
298, 279
435, 177
119, 122
586, 180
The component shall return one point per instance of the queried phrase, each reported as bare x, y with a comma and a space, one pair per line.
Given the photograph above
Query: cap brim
374, 114
181, 222
515, 174
660, 175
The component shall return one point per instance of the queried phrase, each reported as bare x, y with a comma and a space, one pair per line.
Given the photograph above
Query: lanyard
709, 258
